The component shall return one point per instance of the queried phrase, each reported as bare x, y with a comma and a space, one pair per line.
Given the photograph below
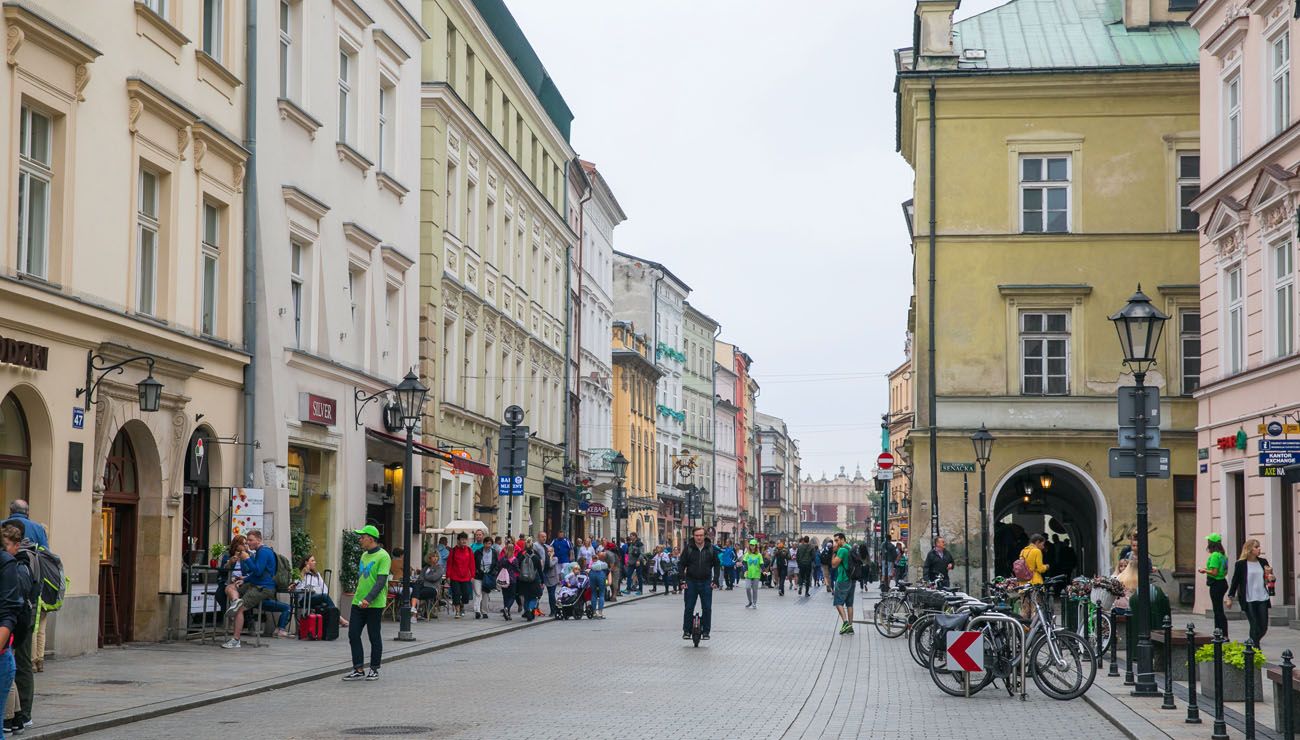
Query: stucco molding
26, 24
294, 113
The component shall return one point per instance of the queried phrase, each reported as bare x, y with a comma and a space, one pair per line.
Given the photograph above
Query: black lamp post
410, 395
983, 443
619, 467
1139, 325
150, 390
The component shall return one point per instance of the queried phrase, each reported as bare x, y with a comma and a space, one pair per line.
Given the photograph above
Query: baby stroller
573, 602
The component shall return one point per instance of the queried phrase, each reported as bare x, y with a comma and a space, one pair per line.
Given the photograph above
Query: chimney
933, 42
1137, 14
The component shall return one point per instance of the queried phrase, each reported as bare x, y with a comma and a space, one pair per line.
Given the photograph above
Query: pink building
1248, 377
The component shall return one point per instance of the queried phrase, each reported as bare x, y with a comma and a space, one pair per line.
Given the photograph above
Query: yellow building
635, 378
898, 425
1062, 151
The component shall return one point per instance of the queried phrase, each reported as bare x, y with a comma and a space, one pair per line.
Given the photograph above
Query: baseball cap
753, 542
1214, 537
369, 529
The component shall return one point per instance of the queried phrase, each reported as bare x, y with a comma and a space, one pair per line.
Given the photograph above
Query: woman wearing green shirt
753, 562
1216, 577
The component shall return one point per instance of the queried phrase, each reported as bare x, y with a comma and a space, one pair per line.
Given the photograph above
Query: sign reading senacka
24, 354
316, 409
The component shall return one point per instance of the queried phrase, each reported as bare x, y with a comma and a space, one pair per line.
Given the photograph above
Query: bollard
1168, 702
1114, 646
1193, 709
1288, 710
1096, 627
1130, 647
1249, 666
1220, 731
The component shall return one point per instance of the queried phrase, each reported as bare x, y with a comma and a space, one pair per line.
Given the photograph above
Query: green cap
753, 542
369, 529
1214, 537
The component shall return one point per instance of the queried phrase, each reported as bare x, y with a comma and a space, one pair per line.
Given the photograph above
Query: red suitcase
311, 627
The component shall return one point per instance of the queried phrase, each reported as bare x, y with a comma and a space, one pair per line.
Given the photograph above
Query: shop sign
24, 354
316, 409
247, 509
1273, 431
595, 509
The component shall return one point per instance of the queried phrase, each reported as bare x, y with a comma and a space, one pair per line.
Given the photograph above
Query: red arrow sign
966, 649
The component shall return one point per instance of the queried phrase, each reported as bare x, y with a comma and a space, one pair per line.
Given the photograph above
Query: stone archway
1073, 508
131, 535
38, 481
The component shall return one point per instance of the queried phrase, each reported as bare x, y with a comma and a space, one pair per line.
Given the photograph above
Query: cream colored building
494, 235
124, 184
898, 425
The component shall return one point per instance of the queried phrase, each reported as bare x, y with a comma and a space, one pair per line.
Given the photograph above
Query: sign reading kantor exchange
24, 354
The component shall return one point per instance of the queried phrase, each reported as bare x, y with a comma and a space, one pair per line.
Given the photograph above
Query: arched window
15, 451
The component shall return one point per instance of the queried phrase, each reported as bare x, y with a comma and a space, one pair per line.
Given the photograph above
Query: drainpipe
713, 430
250, 235
931, 375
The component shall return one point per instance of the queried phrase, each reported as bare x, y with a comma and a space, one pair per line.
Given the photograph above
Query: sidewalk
117, 686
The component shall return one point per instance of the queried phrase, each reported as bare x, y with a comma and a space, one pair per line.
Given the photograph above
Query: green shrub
350, 558
1234, 654
300, 542
217, 550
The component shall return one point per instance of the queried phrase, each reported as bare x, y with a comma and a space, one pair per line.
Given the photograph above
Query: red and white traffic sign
885, 461
966, 649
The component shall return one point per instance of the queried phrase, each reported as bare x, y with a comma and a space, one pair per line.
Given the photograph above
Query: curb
123, 717
1127, 721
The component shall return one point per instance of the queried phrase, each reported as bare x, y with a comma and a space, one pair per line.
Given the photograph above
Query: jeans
729, 572
1257, 615
530, 603
1219, 589
7, 671
369, 620
703, 590
751, 590
279, 606
598, 590
781, 571
805, 574
508, 597
817, 574
550, 598
631, 574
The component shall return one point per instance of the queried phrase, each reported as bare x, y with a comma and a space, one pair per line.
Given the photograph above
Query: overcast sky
751, 144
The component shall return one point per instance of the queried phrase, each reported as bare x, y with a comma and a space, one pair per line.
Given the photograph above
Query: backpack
528, 570
48, 583
887, 552
283, 572
503, 577
855, 565
1020, 569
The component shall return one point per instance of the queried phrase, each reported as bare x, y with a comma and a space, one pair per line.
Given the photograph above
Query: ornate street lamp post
983, 443
410, 395
619, 467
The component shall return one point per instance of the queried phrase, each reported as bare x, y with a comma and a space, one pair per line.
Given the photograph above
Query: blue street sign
1279, 459
78, 418
503, 485
1279, 445
517, 486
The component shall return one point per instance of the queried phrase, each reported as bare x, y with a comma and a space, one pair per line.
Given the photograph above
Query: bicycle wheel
1069, 677
1106, 628
918, 643
891, 617
950, 679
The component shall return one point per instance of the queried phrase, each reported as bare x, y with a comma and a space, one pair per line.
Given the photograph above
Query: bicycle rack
1016, 628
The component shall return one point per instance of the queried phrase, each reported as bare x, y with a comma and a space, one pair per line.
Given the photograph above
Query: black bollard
1130, 647
1097, 622
1114, 646
1193, 709
1220, 731
1288, 710
1168, 702
1249, 666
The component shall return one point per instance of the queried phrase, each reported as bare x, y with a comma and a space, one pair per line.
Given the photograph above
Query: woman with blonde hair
1252, 581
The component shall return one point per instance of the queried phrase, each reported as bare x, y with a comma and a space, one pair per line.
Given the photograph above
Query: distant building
839, 504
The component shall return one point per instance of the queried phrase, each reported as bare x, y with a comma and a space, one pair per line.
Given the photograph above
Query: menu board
246, 509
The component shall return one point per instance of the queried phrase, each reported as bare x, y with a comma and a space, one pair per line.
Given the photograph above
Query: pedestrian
727, 558
803, 559
1032, 556
825, 557
1216, 579
460, 573
14, 610
674, 570
1129, 551
373, 572
507, 576
888, 557
843, 590
615, 560
599, 573
587, 549
900, 566
485, 578
563, 548
529, 581
782, 561
656, 556
753, 563
697, 564
635, 552
1252, 582
939, 562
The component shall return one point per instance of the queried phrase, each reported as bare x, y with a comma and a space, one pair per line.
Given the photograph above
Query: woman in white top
1252, 582
585, 550
314, 588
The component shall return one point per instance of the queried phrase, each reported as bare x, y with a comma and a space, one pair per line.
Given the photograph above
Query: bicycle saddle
951, 621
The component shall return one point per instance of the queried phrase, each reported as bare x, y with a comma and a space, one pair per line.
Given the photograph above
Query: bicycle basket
928, 600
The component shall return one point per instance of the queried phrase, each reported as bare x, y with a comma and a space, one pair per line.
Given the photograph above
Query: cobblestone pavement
780, 671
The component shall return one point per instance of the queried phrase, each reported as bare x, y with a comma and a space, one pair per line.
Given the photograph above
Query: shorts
253, 596
843, 593
461, 592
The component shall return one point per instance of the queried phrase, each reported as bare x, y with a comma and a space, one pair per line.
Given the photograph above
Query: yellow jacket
1033, 558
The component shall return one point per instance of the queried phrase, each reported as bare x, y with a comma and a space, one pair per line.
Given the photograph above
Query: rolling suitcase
330, 623
311, 627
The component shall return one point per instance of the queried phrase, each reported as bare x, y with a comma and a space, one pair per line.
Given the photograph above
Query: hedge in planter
1234, 671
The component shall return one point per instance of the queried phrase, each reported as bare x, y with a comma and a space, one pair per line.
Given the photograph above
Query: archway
119, 524
1059, 500
26, 452
15, 452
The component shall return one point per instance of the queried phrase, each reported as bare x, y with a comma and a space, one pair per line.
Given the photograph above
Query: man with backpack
803, 557
847, 571
938, 563
29, 652
15, 610
259, 583
888, 556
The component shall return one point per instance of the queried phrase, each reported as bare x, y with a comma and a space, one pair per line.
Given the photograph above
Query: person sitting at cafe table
311, 584
430, 583
258, 586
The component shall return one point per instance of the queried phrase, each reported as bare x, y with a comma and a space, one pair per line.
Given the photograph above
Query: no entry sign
966, 650
885, 461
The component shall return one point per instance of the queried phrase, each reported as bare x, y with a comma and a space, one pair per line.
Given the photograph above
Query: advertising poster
246, 510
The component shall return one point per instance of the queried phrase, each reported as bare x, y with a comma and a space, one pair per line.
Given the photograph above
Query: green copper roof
1069, 34
513, 40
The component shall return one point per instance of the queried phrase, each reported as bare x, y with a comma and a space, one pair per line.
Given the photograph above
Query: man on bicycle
696, 568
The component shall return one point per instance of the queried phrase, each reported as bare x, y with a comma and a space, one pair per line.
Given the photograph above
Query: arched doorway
118, 527
15, 452
1056, 499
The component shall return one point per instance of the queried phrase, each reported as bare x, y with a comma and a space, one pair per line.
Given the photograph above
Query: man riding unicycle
696, 568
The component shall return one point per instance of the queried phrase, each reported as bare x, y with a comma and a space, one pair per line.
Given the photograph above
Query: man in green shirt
843, 599
368, 604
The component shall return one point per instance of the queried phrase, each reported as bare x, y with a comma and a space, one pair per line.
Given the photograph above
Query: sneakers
704, 636
372, 675
234, 606
16, 726
231, 644
846, 628
686, 635
282, 633
355, 675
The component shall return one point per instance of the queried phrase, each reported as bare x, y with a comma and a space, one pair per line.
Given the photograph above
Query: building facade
839, 504
337, 295
699, 333
778, 456
1092, 151
1246, 375
495, 238
125, 194
898, 425
636, 377
726, 467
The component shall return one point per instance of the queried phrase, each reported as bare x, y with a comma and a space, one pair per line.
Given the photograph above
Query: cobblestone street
778, 672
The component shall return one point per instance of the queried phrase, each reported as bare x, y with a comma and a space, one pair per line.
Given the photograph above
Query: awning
459, 464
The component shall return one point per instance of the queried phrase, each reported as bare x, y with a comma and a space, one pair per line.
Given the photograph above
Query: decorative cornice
305, 202
389, 46
354, 12
147, 97
354, 158
1046, 289
26, 23
206, 61
359, 235
411, 22
390, 183
164, 26
215, 140
291, 111
395, 259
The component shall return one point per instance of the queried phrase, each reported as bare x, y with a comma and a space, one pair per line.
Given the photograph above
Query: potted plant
216, 551
1234, 671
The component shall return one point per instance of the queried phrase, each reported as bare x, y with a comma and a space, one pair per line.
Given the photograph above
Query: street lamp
619, 467
1139, 325
149, 390
410, 395
983, 443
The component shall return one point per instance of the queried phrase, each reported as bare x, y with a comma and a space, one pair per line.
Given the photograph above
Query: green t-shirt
753, 565
372, 566
842, 570
1217, 561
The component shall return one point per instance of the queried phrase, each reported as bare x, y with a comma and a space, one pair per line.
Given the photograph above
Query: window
471, 212
1044, 195
1234, 331
1044, 352
1232, 123
386, 134
347, 77
295, 289
1189, 335
213, 31
35, 176
489, 236
452, 209
286, 49
1279, 68
147, 227
1185, 544
1189, 186
157, 6
211, 258
1283, 263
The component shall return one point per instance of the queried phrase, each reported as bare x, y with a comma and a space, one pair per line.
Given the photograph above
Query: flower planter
1234, 682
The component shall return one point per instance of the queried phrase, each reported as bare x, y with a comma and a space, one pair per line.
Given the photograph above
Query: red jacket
460, 564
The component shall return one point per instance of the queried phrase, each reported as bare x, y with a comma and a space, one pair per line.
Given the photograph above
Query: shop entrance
117, 557
1057, 501
15, 452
